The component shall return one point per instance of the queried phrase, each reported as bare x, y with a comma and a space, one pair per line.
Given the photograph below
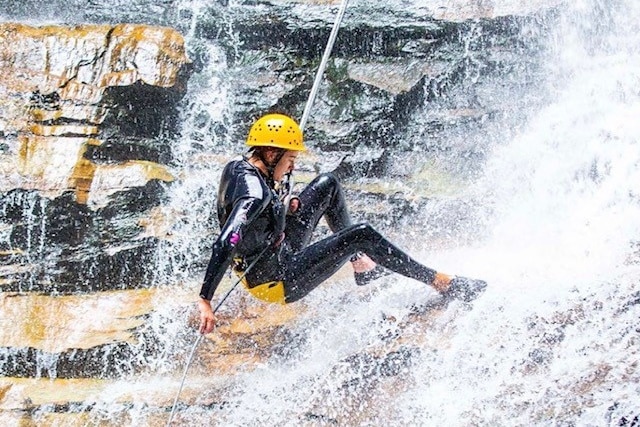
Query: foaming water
197, 159
550, 342
564, 190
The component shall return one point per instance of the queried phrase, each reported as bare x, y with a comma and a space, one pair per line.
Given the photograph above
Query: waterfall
552, 341
542, 202
565, 185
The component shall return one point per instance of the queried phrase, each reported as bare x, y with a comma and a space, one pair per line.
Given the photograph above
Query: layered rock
57, 84
66, 91
387, 62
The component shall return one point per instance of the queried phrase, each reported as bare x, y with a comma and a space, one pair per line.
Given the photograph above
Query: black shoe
367, 277
464, 289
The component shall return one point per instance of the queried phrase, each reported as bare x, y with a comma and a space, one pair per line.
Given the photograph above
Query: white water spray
551, 341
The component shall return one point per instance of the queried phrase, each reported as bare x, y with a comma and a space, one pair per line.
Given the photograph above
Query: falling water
554, 339
552, 208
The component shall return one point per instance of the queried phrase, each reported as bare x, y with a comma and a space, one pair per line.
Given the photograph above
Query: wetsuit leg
306, 269
322, 197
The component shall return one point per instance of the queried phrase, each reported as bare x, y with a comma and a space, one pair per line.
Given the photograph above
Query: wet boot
464, 289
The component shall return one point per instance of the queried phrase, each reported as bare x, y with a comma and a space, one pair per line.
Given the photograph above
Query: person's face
285, 165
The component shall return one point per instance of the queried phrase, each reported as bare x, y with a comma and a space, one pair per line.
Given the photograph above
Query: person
267, 238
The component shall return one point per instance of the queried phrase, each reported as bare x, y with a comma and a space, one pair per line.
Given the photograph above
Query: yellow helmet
276, 130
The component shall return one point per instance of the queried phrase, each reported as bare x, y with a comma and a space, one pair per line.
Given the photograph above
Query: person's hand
207, 319
294, 204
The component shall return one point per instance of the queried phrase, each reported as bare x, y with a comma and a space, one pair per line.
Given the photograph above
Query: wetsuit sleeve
244, 211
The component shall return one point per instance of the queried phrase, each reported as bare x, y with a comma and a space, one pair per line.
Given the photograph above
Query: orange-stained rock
82, 177
243, 341
49, 58
53, 89
26, 320
49, 161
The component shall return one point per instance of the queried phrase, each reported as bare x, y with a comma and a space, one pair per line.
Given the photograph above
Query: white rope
184, 377
195, 345
323, 64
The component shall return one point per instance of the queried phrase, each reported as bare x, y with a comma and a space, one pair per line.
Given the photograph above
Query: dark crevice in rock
99, 362
72, 248
116, 151
141, 110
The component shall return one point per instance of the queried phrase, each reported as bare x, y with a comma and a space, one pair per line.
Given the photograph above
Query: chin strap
285, 188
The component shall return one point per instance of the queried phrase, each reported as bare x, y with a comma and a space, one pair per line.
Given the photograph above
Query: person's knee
326, 186
328, 180
364, 232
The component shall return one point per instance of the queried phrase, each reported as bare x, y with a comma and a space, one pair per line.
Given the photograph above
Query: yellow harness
269, 291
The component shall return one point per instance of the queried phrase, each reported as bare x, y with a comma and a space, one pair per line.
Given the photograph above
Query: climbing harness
272, 292
289, 183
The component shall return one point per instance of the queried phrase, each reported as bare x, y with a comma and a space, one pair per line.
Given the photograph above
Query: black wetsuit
252, 218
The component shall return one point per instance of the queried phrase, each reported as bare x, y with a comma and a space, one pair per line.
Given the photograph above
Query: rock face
388, 62
60, 85
66, 92
92, 114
